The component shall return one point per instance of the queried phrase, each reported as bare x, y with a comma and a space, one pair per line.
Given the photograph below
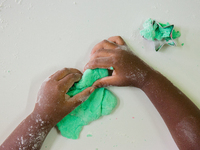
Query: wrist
149, 77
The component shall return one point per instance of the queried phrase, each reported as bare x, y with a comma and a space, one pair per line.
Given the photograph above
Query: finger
80, 97
105, 44
69, 80
102, 53
63, 72
117, 39
107, 81
101, 62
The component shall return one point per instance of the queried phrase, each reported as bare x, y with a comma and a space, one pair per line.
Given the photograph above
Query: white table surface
39, 37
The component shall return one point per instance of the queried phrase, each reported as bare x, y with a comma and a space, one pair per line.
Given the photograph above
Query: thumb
80, 97
107, 81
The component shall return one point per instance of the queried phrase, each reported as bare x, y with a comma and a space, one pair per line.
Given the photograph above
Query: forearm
30, 134
181, 116
52, 105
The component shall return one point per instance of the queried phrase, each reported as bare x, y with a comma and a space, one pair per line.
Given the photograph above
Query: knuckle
95, 61
99, 84
105, 41
98, 51
66, 69
48, 83
77, 103
120, 40
91, 65
72, 76
118, 37
74, 70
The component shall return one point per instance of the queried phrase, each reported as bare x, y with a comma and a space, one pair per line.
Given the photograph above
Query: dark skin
52, 105
181, 116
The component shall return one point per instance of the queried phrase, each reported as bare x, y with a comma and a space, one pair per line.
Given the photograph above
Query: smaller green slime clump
89, 135
158, 31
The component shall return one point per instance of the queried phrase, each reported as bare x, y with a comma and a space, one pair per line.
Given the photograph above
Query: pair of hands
53, 103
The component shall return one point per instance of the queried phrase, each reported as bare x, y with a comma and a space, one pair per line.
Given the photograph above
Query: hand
53, 103
129, 70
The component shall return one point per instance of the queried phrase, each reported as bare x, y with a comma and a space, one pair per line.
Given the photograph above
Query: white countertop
38, 38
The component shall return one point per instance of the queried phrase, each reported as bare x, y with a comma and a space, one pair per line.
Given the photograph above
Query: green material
111, 68
101, 102
89, 135
182, 44
158, 31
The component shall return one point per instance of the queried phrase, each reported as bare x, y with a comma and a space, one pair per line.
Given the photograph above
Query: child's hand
129, 70
53, 103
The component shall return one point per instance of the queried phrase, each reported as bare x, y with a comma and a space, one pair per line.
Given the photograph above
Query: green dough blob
154, 31
89, 135
101, 102
111, 68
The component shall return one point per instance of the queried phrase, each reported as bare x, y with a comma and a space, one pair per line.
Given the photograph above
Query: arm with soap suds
179, 113
52, 105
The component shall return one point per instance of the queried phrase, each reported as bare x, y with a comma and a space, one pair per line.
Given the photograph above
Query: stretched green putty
101, 102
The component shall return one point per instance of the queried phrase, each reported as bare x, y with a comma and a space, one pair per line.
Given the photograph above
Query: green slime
152, 32
101, 102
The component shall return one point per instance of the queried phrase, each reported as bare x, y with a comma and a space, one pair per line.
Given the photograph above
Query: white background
39, 37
